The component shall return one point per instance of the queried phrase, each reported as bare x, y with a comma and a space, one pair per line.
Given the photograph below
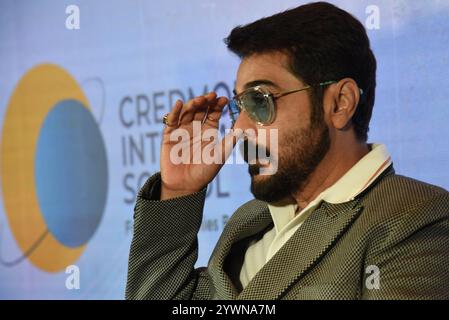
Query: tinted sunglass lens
234, 110
256, 105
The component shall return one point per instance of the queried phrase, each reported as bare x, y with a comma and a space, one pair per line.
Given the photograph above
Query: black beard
302, 152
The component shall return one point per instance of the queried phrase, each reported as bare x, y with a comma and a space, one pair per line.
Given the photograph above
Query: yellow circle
39, 90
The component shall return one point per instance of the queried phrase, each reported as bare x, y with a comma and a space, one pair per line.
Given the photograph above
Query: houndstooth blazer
391, 242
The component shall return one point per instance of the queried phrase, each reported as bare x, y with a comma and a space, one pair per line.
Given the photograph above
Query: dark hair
324, 43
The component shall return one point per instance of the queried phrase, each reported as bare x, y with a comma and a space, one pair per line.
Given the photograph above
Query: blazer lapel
310, 242
250, 219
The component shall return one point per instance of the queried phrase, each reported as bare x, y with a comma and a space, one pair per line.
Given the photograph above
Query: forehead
272, 66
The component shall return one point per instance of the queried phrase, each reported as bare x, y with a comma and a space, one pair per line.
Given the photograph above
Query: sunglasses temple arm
289, 92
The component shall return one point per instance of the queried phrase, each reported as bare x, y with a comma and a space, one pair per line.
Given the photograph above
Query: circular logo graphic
53, 167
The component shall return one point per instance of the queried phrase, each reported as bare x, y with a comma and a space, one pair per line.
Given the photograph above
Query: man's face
301, 144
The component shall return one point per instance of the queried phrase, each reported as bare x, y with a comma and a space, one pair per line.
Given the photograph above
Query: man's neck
338, 161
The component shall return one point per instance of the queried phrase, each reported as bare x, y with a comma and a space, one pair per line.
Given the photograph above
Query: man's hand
187, 178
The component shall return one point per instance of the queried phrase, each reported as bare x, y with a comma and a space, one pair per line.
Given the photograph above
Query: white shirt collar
351, 184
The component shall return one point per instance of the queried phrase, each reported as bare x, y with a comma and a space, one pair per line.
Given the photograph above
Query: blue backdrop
125, 66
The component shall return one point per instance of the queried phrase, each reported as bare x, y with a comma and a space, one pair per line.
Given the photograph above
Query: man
334, 221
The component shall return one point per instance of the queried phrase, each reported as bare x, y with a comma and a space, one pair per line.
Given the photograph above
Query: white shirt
353, 182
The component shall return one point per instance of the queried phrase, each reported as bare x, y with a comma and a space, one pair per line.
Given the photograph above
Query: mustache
251, 151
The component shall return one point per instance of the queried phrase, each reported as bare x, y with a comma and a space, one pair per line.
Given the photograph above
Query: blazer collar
319, 232
302, 251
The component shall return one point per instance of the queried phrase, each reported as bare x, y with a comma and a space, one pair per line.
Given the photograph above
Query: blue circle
71, 173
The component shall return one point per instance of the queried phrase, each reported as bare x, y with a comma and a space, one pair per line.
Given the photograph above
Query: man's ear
345, 97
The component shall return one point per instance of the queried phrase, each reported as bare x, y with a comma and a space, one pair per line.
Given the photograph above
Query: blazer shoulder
400, 195
404, 187
400, 210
